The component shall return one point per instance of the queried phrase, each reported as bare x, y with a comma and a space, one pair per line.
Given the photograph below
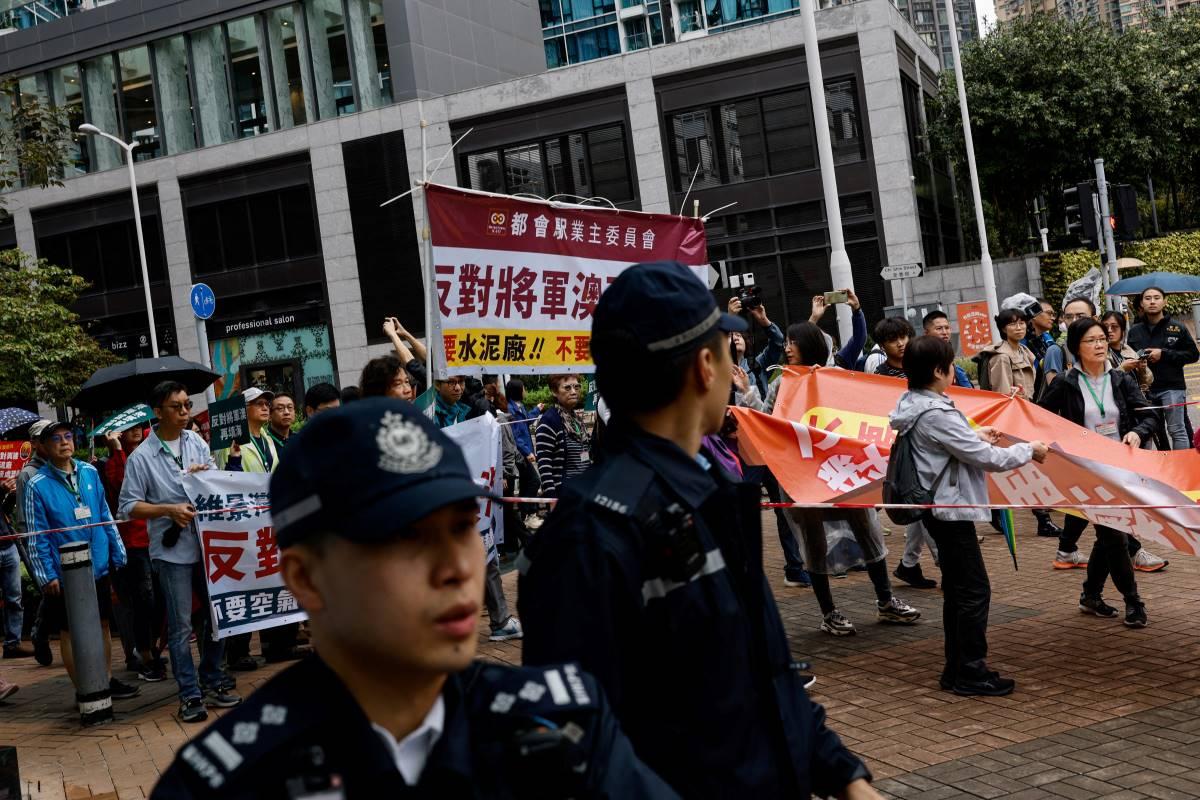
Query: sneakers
16, 651
835, 623
42, 653
991, 686
193, 710
7, 689
122, 691
1135, 615
245, 664
221, 698
1144, 561
511, 629
152, 674
914, 577
1097, 606
1075, 560
896, 610
799, 579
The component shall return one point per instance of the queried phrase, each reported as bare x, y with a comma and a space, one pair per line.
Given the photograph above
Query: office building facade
265, 151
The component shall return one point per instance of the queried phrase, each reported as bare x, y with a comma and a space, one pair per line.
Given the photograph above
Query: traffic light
1125, 213
1081, 213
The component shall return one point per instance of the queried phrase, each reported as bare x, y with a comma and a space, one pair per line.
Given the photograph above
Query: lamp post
92, 130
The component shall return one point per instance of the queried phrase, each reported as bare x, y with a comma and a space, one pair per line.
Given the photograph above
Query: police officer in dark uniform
376, 515
649, 570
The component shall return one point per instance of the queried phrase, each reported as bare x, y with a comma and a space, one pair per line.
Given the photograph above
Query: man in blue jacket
66, 493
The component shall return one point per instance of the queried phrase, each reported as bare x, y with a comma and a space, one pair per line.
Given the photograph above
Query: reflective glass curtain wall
285, 66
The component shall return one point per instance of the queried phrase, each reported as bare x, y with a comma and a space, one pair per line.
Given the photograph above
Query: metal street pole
1106, 225
985, 257
839, 261
92, 130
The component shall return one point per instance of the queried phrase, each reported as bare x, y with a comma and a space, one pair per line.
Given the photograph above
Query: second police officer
649, 570
375, 513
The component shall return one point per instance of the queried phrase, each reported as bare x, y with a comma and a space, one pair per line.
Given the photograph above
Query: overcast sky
987, 15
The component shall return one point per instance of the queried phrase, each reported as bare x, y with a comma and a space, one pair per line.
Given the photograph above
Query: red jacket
133, 533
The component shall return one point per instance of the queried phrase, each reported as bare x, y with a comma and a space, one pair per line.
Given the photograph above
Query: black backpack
902, 483
982, 363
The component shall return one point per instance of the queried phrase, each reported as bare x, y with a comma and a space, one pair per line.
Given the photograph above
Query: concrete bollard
87, 638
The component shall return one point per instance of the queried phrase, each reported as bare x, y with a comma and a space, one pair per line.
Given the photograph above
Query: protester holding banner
66, 493
944, 442
386, 561
649, 569
563, 446
1169, 347
153, 491
411, 352
1011, 367
135, 583
386, 376
1106, 401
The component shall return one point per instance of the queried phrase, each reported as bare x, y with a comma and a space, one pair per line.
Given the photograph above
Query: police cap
366, 472
664, 305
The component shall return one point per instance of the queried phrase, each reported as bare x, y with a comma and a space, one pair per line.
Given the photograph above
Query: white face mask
1062, 326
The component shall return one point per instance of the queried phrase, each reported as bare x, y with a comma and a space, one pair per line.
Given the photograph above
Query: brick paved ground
1100, 711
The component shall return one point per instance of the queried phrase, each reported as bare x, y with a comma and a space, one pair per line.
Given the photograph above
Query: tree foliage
35, 147
1047, 96
43, 350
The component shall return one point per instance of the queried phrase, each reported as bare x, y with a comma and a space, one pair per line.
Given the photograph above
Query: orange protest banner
829, 437
974, 329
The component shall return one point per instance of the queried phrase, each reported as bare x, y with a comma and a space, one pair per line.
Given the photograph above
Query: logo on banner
496, 224
405, 448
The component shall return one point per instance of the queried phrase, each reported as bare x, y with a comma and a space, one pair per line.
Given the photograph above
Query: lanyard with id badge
1104, 427
82, 511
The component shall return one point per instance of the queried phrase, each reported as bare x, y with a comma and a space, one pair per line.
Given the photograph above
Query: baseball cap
255, 393
36, 429
50, 427
366, 472
664, 305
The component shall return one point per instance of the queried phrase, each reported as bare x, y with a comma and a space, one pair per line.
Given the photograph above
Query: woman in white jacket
952, 458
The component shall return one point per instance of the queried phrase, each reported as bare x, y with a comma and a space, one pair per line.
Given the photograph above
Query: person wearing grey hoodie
952, 459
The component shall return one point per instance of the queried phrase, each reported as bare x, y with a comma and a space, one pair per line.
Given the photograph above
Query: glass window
100, 80
268, 228
300, 217
370, 53
293, 94
205, 239
556, 52
236, 237
483, 172
581, 179
609, 166
693, 142
173, 78
212, 85
523, 170
83, 252
67, 88
789, 131
330, 58
137, 98
593, 43
122, 268
249, 84
845, 128
741, 137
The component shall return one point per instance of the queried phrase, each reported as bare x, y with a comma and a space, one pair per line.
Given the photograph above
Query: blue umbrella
11, 418
1169, 282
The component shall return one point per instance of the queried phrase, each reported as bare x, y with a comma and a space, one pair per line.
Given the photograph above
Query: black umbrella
132, 381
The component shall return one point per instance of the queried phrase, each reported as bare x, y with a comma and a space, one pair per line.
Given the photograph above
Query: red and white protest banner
241, 560
481, 443
516, 280
13, 456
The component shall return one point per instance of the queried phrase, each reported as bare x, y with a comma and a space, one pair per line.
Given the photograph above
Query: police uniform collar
678, 470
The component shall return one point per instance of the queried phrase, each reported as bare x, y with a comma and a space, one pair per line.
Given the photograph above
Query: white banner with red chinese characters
481, 443
241, 560
516, 280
